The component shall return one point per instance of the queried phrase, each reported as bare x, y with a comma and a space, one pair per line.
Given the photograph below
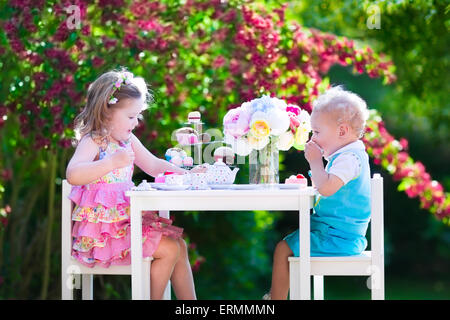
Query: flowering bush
392, 155
253, 124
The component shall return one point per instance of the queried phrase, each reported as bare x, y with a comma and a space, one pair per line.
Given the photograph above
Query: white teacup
174, 180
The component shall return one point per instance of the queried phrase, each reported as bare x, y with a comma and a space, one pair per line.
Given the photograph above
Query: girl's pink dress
101, 229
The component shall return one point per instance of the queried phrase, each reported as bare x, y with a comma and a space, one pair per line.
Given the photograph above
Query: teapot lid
219, 162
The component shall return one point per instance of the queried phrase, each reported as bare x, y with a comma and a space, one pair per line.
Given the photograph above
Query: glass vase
264, 165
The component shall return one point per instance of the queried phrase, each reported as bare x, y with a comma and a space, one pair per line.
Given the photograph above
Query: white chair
71, 269
369, 263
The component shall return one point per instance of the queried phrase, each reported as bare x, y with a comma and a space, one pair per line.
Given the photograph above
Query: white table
220, 200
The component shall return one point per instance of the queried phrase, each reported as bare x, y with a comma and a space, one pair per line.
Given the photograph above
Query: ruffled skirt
101, 228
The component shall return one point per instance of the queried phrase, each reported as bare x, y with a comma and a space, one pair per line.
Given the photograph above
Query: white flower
285, 141
278, 120
113, 100
128, 77
239, 146
279, 104
305, 120
256, 143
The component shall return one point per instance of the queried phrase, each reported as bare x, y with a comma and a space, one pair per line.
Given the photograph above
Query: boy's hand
122, 158
312, 152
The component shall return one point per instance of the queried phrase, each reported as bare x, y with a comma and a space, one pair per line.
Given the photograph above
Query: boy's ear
343, 130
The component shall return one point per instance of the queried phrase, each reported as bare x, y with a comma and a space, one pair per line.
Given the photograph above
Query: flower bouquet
260, 128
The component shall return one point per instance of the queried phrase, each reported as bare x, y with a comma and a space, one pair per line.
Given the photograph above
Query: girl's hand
122, 158
312, 152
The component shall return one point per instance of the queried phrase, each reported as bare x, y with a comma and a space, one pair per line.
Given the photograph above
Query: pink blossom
230, 16
86, 30
97, 62
293, 108
236, 122
65, 143
234, 67
6, 174
62, 33
108, 42
294, 121
404, 143
229, 85
218, 62
35, 59
138, 9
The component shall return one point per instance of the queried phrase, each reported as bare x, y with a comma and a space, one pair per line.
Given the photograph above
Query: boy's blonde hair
96, 114
345, 107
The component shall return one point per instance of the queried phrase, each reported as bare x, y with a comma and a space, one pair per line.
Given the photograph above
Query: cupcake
298, 179
188, 162
194, 117
177, 160
175, 156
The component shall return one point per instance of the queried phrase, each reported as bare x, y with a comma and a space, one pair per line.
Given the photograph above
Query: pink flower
293, 108
97, 62
234, 67
229, 85
65, 143
404, 143
86, 30
294, 121
7, 174
218, 62
236, 122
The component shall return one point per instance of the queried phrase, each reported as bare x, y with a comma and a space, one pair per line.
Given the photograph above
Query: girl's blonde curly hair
95, 116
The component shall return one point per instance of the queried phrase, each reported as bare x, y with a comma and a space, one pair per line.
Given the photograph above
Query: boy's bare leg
280, 271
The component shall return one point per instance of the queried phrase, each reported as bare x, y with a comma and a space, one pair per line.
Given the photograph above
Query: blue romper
340, 221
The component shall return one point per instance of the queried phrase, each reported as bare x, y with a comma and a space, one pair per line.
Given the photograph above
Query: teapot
220, 173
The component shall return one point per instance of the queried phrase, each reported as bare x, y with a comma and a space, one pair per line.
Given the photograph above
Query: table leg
137, 272
167, 292
305, 261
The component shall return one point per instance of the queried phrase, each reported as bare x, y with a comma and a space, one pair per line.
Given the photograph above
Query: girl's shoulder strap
101, 141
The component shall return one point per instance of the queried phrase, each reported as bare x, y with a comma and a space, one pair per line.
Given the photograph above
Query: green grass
355, 288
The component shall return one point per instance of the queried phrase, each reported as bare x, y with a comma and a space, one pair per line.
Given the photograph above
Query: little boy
342, 210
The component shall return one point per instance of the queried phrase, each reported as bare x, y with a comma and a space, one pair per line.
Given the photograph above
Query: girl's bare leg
280, 271
164, 259
182, 279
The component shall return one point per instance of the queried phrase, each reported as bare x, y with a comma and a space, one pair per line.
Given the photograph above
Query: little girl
342, 210
101, 170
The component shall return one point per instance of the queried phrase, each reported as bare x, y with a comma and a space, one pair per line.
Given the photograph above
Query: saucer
246, 186
163, 186
290, 186
221, 186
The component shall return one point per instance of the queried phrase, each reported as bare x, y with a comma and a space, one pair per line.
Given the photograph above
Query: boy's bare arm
327, 184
